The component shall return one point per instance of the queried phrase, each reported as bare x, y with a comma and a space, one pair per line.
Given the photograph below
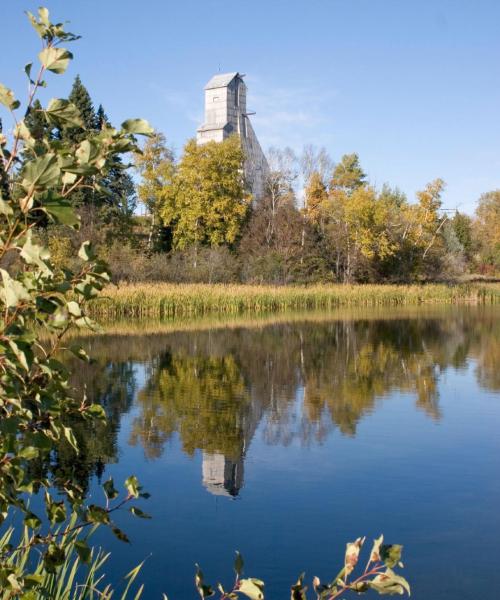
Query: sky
412, 86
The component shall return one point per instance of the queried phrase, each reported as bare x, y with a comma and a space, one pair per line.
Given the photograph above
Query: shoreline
170, 301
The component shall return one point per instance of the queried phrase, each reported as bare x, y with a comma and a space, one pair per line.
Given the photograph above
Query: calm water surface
286, 440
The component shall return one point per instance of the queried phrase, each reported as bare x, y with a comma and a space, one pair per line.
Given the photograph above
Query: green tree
116, 198
348, 175
462, 226
80, 97
207, 203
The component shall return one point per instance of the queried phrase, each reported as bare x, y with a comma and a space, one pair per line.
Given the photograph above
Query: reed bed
168, 301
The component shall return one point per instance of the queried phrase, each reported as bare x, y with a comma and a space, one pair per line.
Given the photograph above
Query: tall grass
184, 300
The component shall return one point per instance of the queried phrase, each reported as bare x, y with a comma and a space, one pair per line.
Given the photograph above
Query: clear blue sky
412, 86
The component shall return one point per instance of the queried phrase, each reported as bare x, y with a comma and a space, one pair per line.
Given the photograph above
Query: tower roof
221, 80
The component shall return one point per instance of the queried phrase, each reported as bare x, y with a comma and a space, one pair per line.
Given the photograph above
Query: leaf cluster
37, 405
378, 576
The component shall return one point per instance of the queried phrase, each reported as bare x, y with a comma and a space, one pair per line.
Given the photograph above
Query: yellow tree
207, 201
357, 226
487, 228
421, 227
156, 166
316, 195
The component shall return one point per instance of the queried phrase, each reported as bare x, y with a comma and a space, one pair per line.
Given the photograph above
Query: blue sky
412, 86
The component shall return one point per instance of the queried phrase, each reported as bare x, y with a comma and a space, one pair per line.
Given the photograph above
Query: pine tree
80, 97
101, 118
348, 174
38, 126
118, 199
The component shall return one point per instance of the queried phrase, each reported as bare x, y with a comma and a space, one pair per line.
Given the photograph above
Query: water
285, 440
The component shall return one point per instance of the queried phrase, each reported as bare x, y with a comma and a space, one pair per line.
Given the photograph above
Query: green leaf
27, 70
79, 352
32, 521
121, 535
86, 252
13, 291
63, 113
70, 437
137, 512
61, 211
83, 551
5, 208
53, 558
252, 588
29, 453
390, 554
7, 98
34, 254
56, 511
238, 564
23, 353
109, 489
96, 411
132, 486
55, 59
41, 173
97, 514
74, 308
137, 126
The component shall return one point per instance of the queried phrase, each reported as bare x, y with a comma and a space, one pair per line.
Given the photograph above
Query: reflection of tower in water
221, 475
224, 475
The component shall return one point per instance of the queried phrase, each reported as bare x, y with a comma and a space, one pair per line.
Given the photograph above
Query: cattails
166, 300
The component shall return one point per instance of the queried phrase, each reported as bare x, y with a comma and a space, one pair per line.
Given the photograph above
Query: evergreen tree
39, 128
101, 118
80, 97
348, 175
118, 199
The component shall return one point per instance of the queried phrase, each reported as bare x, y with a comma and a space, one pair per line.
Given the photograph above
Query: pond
285, 438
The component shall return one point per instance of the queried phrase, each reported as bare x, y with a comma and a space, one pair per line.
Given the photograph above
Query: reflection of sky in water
425, 475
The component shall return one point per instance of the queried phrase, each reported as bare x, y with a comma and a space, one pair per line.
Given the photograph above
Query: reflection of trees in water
299, 380
113, 385
203, 398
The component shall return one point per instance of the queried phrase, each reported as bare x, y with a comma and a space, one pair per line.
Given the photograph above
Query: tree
116, 197
284, 255
156, 167
315, 196
348, 175
80, 97
357, 226
487, 228
206, 204
462, 227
